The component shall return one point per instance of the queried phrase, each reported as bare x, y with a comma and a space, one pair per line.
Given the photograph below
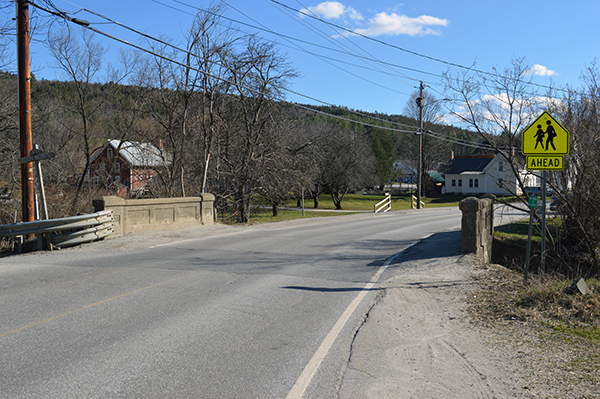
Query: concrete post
477, 227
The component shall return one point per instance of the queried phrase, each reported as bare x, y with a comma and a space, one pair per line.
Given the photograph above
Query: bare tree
257, 75
576, 186
9, 148
212, 46
167, 103
81, 62
347, 164
498, 106
7, 33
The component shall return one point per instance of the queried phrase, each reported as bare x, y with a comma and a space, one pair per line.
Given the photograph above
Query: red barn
126, 167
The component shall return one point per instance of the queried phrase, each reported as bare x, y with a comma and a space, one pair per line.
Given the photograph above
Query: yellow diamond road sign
545, 136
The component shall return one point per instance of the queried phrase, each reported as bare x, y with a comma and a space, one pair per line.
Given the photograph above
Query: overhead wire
347, 38
415, 53
329, 39
291, 38
183, 50
322, 58
62, 14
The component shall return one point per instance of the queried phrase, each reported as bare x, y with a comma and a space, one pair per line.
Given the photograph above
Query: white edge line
313, 365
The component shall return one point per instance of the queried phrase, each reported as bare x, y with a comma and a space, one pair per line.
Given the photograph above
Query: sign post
545, 142
533, 204
36, 155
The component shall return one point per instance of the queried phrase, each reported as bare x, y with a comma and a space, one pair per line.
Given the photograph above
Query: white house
481, 174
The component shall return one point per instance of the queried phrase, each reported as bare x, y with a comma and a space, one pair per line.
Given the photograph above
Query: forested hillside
232, 145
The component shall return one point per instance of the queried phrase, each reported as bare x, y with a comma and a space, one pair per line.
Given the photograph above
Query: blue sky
557, 39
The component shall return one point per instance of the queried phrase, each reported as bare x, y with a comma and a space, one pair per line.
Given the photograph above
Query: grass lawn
358, 202
520, 230
262, 213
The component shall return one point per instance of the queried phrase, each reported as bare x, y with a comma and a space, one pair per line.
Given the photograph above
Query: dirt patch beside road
447, 327
418, 341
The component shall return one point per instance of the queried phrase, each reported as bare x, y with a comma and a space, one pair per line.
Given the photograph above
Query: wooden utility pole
420, 150
25, 108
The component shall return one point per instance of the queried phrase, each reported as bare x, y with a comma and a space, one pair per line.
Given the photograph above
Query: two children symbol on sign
539, 135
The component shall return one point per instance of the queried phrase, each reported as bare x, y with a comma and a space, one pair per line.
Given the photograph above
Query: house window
459, 182
102, 168
117, 179
500, 183
453, 182
500, 166
476, 183
109, 152
117, 167
96, 180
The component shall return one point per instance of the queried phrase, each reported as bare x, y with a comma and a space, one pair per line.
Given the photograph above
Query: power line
86, 25
359, 47
415, 53
291, 38
184, 51
323, 35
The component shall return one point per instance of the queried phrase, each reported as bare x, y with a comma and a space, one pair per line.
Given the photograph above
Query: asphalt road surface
215, 312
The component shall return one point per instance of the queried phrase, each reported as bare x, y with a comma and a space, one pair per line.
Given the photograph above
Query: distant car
533, 190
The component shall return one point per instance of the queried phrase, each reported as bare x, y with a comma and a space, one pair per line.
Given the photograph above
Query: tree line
217, 108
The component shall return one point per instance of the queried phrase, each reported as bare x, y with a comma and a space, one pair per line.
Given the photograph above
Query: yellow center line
91, 305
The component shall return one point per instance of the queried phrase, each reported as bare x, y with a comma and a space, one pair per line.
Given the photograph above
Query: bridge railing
384, 205
62, 232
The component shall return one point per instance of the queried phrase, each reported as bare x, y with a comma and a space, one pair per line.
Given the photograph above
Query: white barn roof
137, 154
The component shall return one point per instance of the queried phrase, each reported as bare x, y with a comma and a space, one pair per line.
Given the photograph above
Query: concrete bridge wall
138, 215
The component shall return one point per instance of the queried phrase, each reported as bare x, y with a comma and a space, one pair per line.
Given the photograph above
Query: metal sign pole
543, 261
533, 204
35, 156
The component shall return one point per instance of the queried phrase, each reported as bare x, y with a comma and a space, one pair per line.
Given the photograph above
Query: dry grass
551, 334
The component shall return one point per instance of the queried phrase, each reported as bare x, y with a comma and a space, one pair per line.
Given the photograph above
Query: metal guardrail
384, 205
56, 232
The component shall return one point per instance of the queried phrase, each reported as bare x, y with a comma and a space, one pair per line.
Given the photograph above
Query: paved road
219, 312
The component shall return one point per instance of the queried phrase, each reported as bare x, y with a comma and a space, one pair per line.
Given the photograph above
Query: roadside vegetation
549, 327
549, 330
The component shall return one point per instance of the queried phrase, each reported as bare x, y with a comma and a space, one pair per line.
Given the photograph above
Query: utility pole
420, 135
24, 79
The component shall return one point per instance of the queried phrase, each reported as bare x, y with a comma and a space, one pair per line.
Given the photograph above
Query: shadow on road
439, 245
327, 289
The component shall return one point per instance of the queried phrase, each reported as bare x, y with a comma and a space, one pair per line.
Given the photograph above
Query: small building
481, 174
126, 167
434, 183
405, 172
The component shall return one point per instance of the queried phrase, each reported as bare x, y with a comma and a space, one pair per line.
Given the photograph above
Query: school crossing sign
545, 142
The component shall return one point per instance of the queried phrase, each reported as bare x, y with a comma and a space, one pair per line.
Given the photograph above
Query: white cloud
394, 24
540, 70
333, 10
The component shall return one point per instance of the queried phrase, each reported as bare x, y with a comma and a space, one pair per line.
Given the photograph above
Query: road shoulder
418, 340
